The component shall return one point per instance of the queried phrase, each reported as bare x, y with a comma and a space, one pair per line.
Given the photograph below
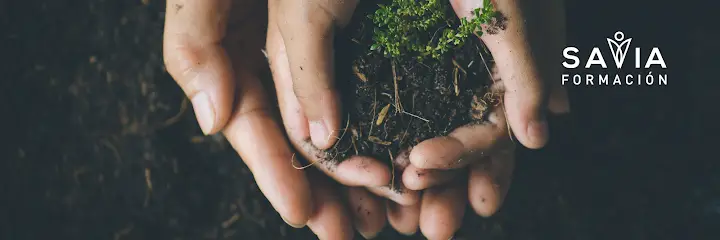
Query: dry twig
398, 105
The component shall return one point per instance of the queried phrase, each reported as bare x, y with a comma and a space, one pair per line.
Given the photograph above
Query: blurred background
99, 143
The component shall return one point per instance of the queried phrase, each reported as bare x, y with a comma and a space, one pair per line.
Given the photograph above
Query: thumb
307, 28
519, 67
195, 58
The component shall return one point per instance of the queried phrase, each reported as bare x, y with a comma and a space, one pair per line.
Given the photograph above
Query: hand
300, 50
481, 178
213, 51
304, 49
487, 149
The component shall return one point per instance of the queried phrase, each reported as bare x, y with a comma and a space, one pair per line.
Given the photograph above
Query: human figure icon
619, 46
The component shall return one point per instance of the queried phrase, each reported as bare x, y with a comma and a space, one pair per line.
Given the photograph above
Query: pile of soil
392, 104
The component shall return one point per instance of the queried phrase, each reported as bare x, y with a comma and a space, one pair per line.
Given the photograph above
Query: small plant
401, 28
415, 74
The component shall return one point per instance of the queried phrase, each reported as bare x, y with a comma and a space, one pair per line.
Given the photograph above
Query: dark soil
87, 151
394, 104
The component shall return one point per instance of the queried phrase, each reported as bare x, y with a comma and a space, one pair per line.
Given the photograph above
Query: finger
195, 58
330, 219
356, 171
307, 28
419, 179
368, 211
397, 192
404, 219
463, 145
526, 93
442, 211
261, 144
558, 102
353, 171
489, 181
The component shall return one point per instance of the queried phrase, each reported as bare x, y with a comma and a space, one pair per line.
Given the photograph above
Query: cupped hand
213, 49
474, 163
300, 49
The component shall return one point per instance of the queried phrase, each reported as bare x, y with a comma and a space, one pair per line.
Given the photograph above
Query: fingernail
204, 111
318, 134
368, 235
538, 131
292, 225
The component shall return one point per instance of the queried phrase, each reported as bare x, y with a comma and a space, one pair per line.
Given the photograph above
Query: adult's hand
300, 50
482, 181
526, 50
481, 177
213, 49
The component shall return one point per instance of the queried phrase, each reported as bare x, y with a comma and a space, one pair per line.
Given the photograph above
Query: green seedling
402, 28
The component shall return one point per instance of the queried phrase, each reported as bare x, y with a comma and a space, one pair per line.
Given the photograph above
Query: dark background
88, 111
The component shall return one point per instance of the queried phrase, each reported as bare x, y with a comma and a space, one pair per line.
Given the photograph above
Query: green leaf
400, 23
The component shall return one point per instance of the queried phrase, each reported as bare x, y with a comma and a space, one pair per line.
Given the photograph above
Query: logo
618, 46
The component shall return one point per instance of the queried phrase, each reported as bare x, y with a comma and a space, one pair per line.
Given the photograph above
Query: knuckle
327, 13
300, 93
183, 59
314, 15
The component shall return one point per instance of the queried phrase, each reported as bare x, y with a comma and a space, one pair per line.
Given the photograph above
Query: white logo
618, 46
